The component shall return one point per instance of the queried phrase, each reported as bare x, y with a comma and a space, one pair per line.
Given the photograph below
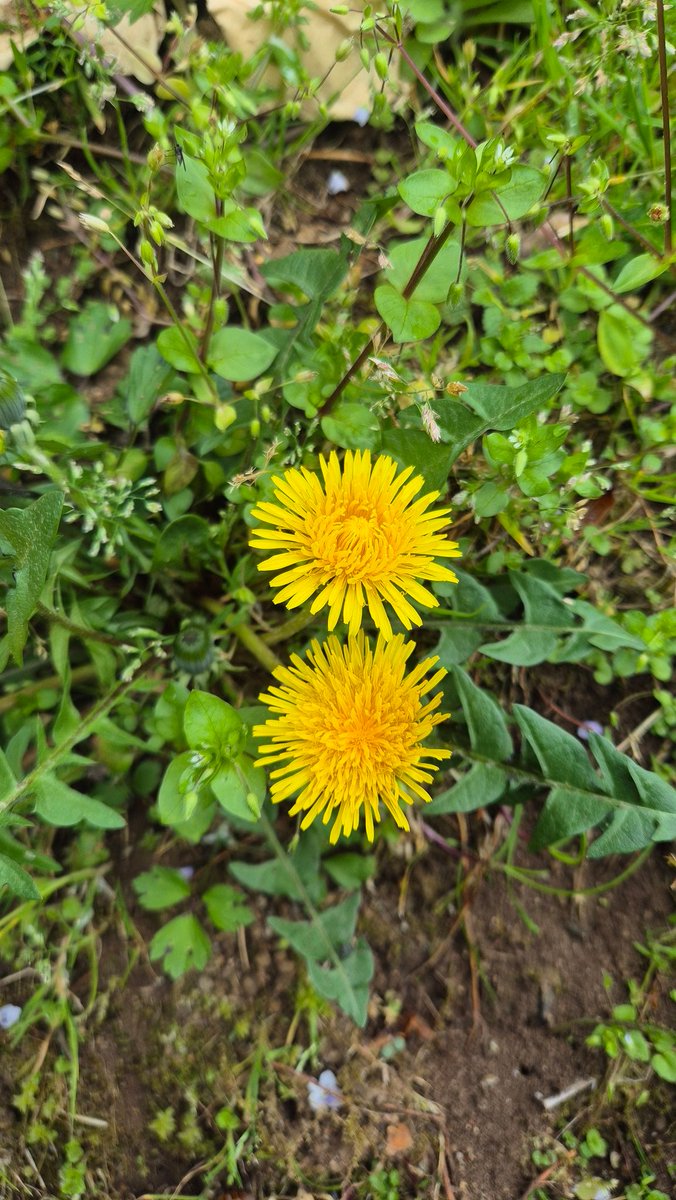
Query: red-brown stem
666, 128
423, 264
608, 207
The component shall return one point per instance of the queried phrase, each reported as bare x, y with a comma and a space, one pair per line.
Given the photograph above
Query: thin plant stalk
666, 128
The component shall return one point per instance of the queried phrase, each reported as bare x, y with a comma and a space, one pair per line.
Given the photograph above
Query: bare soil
472, 1024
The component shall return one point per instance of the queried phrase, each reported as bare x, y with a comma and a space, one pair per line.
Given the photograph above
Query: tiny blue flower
361, 116
9, 1015
186, 872
325, 1093
337, 182
588, 727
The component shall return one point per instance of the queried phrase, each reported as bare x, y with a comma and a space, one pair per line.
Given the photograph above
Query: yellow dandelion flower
359, 538
349, 732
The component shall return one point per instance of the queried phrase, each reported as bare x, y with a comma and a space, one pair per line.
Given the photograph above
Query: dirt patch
468, 1031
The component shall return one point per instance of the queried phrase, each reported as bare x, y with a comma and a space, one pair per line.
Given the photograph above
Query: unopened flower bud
156, 232
381, 64
224, 417
147, 254
94, 223
155, 158
439, 221
658, 213
255, 427
607, 226
455, 388
344, 49
220, 311
512, 248
455, 294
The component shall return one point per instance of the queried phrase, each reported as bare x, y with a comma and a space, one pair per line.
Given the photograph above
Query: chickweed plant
290, 533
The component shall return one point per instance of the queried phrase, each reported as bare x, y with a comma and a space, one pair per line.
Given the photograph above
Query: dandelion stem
257, 647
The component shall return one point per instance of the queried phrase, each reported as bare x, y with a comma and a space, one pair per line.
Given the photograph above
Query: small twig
568, 171
580, 1085
24, 973
636, 734
663, 306
612, 212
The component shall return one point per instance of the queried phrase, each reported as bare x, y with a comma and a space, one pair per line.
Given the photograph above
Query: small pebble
9, 1015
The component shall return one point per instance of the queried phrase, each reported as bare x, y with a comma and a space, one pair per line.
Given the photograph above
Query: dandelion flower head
355, 537
347, 728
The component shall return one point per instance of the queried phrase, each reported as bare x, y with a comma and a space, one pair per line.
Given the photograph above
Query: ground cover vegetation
337, 593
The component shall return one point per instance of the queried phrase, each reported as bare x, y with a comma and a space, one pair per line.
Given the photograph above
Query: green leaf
194, 192
160, 887
635, 1045
16, 880
624, 342
347, 983
490, 499
534, 642
504, 407
12, 400
562, 757
7, 777
210, 723
183, 944
190, 818
424, 191
237, 223
148, 377
489, 736
516, 198
441, 273
639, 271
30, 534
292, 876
483, 784
325, 937
475, 608
239, 355
352, 426
350, 870
317, 274
507, 12
226, 908
240, 789
174, 350
60, 805
412, 448
408, 320
185, 541
664, 1065
95, 336
634, 806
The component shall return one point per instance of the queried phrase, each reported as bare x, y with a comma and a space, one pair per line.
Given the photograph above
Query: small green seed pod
513, 248
193, 647
380, 63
